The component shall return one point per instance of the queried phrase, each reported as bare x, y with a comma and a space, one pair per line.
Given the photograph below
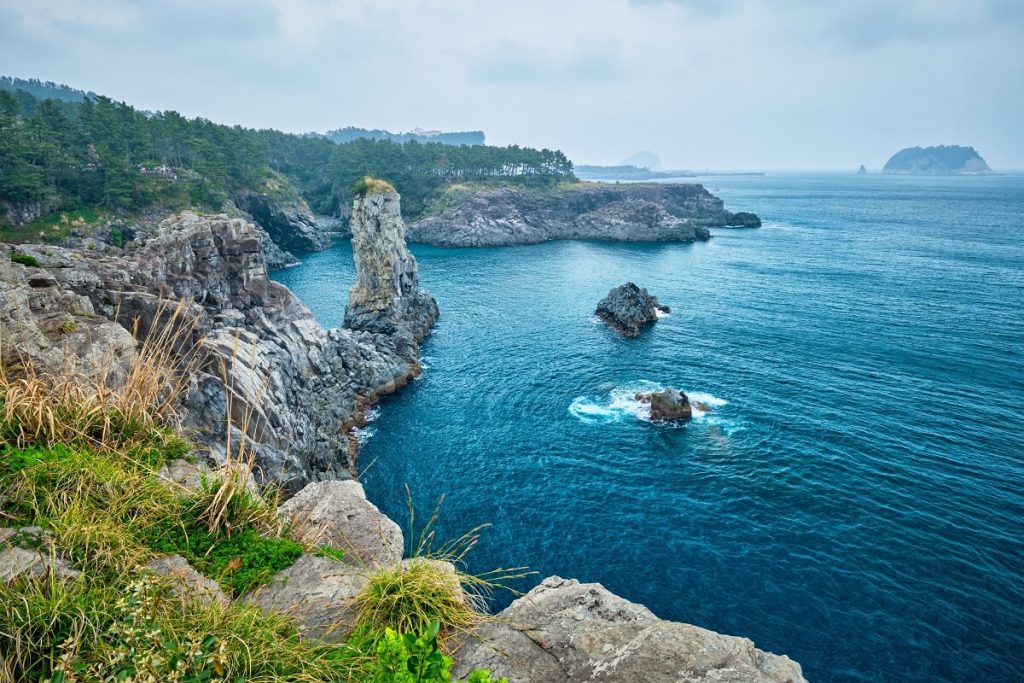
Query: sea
853, 496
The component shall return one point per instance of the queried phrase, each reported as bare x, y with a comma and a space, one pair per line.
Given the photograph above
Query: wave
367, 431
618, 404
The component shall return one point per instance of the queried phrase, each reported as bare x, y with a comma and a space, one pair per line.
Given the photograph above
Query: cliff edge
631, 212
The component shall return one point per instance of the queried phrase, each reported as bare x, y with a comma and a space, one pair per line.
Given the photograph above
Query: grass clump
239, 559
370, 185
24, 259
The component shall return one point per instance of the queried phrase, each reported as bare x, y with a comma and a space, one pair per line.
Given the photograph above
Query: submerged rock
337, 513
627, 308
563, 631
386, 297
668, 405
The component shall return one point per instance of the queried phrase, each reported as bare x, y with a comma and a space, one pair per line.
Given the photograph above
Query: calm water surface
855, 499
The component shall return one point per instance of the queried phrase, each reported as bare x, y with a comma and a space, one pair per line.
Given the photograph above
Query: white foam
367, 431
661, 314
619, 403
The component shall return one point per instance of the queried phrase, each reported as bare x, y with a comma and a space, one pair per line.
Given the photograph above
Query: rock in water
941, 160
862, 170
667, 405
386, 297
628, 308
564, 631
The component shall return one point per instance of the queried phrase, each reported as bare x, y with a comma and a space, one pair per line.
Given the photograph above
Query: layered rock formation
296, 387
628, 308
386, 297
487, 217
941, 160
564, 631
286, 221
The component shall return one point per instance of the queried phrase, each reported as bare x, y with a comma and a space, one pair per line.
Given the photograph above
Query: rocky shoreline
633, 212
304, 387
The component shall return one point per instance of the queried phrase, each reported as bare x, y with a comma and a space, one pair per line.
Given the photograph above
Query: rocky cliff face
291, 226
299, 387
386, 297
652, 212
564, 631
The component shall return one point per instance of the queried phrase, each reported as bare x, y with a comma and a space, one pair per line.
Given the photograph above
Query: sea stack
628, 308
862, 170
386, 297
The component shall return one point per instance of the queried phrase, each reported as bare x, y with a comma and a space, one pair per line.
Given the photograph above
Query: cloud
724, 84
519, 66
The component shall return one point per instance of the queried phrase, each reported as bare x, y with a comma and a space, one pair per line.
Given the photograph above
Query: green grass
55, 226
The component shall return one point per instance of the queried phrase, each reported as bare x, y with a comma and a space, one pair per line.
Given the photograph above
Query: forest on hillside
98, 153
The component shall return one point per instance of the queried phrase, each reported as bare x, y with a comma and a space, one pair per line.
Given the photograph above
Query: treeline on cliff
98, 153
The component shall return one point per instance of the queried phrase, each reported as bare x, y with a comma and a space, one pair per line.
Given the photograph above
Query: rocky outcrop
19, 213
318, 593
941, 160
297, 388
288, 221
27, 553
628, 308
338, 514
563, 631
52, 327
386, 297
185, 582
668, 405
636, 212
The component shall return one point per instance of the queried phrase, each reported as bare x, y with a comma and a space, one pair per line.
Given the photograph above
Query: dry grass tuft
48, 409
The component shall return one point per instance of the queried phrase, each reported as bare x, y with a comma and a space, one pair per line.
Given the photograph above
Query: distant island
468, 137
941, 160
631, 173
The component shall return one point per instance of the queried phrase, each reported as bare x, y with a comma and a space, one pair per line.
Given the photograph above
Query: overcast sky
719, 84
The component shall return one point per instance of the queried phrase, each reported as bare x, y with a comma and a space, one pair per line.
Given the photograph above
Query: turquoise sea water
855, 499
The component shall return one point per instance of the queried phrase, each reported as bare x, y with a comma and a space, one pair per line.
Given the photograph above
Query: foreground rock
337, 513
386, 297
563, 631
50, 326
668, 405
628, 308
318, 593
636, 212
186, 582
18, 562
296, 388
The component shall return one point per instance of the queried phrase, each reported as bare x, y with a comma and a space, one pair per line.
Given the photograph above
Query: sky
705, 84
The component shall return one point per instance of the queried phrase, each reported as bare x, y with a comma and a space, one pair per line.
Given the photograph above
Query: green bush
24, 259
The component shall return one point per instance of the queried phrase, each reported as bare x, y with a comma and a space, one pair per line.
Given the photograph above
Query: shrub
24, 259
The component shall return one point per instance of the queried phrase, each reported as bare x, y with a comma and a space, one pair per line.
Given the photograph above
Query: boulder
318, 593
628, 308
337, 513
186, 582
667, 405
18, 562
563, 631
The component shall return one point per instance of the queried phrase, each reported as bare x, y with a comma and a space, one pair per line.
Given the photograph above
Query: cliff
301, 386
640, 212
941, 160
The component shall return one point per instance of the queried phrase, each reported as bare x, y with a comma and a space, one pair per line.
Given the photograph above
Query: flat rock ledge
186, 582
318, 593
564, 631
337, 513
628, 308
